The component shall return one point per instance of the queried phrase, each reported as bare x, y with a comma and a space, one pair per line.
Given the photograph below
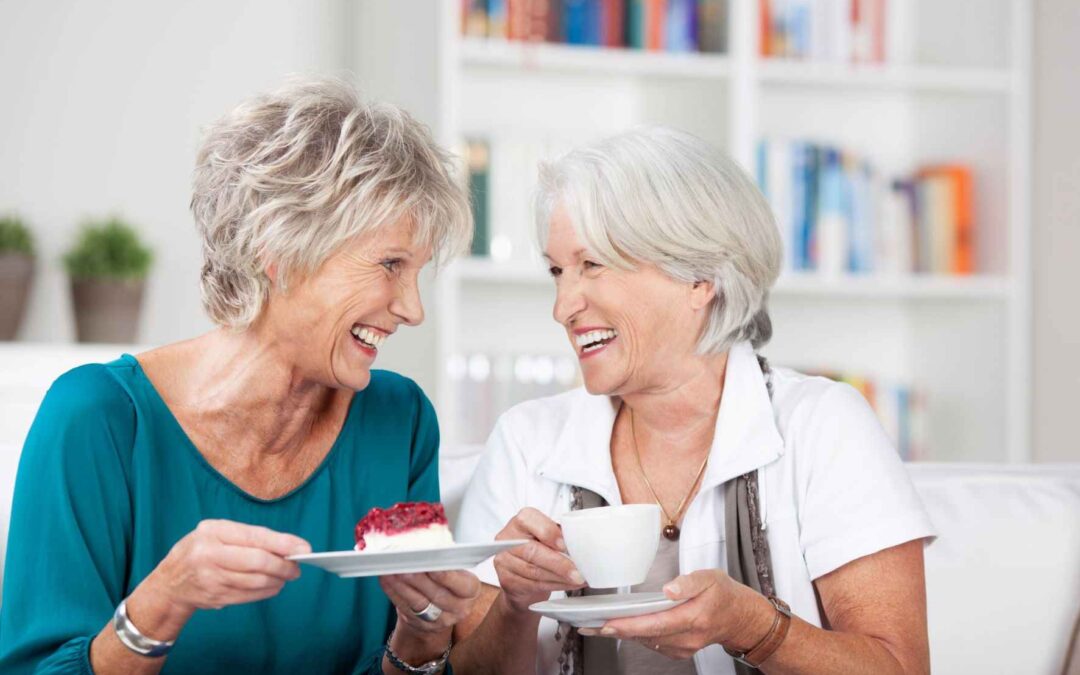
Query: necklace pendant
671, 532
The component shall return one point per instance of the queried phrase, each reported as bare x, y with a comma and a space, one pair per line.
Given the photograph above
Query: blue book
799, 199
594, 22
576, 21
680, 26
812, 166
862, 220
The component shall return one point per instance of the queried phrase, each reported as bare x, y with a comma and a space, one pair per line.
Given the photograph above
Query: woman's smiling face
629, 328
333, 322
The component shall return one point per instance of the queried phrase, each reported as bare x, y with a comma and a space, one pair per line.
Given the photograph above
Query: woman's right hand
529, 573
217, 564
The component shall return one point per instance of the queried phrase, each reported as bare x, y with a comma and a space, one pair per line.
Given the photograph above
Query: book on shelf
478, 160
840, 31
839, 214
654, 25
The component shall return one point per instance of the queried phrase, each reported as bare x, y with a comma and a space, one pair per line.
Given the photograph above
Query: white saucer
364, 564
591, 611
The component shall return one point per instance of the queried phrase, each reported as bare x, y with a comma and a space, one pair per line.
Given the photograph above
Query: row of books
900, 408
486, 385
656, 25
838, 213
824, 30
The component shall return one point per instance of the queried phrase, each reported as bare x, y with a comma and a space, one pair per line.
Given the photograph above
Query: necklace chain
645, 477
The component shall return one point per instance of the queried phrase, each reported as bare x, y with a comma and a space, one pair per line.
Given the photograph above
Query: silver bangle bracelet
134, 640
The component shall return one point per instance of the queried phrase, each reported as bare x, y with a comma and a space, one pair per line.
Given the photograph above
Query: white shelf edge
871, 76
543, 56
915, 287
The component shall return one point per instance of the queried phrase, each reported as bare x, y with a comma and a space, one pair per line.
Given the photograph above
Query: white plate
591, 611
364, 564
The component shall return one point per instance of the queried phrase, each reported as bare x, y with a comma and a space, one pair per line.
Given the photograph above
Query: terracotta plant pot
107, 310
16, 272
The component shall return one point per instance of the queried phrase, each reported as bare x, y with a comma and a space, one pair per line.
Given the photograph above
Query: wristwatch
760, 652
429, 668
131, 638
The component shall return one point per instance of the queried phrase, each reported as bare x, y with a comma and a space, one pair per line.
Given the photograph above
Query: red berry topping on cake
399, 519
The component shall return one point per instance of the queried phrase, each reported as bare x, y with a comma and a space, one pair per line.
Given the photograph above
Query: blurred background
922, 157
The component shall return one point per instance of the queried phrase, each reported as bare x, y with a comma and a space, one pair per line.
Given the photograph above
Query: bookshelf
939, 95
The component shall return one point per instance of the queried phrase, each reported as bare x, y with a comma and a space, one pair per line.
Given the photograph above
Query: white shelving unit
955, 87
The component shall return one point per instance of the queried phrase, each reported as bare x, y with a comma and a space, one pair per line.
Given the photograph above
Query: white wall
103, 105
1056, 234
102, 108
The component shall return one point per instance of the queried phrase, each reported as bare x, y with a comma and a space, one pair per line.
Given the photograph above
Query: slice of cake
403, 527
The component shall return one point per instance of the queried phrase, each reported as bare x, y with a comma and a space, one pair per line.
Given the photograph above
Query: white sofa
1003, 578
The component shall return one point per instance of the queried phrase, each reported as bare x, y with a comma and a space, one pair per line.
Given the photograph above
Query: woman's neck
683, 407
246, 392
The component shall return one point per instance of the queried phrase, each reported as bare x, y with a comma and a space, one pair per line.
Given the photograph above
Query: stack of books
824, 30
657, 25
900, 408
839, 214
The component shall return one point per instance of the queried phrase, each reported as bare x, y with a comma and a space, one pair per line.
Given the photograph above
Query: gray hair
290, 176
668, 198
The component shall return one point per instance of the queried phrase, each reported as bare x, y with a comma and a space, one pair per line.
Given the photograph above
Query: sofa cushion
1003, 577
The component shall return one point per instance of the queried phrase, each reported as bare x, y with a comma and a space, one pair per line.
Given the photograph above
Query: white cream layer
432, 536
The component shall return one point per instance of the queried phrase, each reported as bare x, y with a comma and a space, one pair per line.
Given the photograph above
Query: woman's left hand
717, 611
451, 592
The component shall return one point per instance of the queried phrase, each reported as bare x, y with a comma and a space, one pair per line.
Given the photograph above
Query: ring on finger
431, 613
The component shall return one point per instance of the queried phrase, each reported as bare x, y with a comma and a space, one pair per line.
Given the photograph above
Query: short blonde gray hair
290, 176
665, 197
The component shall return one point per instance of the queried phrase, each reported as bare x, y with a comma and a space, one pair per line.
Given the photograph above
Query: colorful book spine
474, 18
680, 26
576, 21
613, 23
655, 30
712, 26
496, 19
478, 159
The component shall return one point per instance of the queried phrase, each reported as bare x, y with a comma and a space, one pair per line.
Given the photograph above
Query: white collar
745, 439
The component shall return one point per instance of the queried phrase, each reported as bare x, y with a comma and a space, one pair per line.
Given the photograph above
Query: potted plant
108, 267
16, 272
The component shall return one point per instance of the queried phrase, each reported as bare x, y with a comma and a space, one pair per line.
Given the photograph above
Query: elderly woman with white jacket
791, 531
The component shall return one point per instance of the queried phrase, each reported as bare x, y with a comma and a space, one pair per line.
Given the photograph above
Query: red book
613, 22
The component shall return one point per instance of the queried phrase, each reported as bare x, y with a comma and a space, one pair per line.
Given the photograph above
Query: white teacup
613, 546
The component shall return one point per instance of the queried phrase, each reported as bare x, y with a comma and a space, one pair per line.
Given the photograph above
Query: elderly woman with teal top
159, 495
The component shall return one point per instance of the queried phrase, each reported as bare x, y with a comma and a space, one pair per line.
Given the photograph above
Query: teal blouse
108, 482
